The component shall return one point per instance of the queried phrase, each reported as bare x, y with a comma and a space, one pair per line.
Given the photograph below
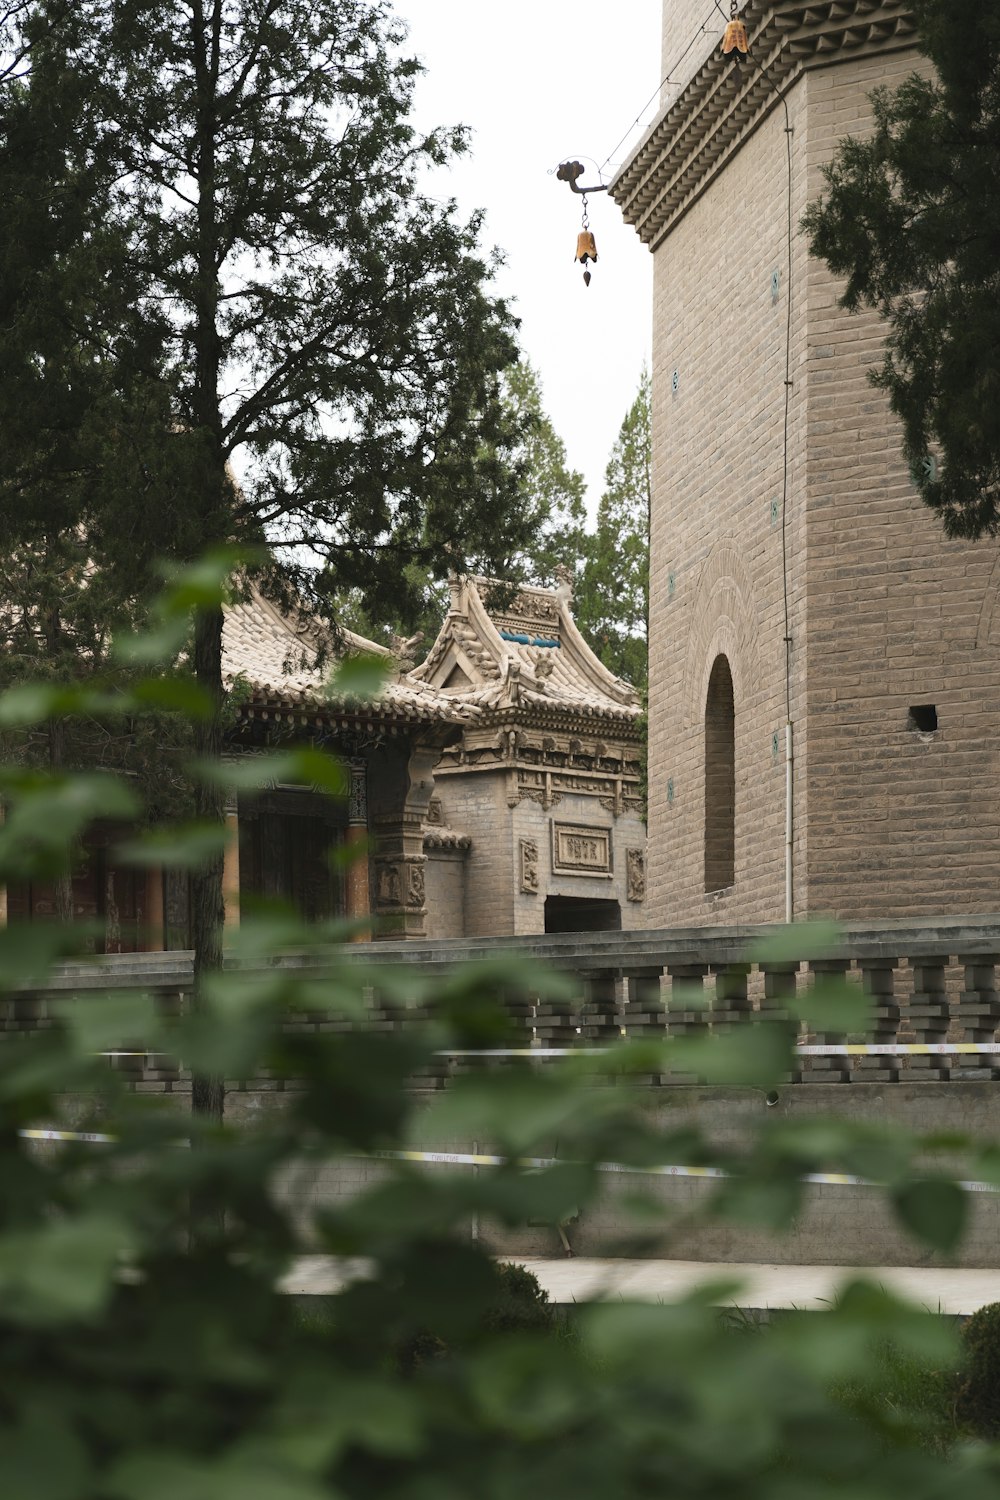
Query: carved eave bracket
700, 130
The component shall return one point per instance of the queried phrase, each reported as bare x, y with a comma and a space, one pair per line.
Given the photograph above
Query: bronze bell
586, 246
735, 42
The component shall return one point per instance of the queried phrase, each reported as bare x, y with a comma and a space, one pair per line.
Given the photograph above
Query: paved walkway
939, 1289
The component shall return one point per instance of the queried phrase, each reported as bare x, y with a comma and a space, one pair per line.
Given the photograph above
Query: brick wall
900, 823
883, 612
716, 584
477, 805
683, 20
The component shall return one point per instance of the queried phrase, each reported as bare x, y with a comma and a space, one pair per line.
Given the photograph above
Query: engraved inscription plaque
579, 850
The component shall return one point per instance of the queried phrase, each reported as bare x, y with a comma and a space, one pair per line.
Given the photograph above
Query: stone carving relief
415, 895
392, 880
635, 874
529, 867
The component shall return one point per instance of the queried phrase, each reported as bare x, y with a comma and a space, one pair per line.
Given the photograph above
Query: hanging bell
735, 42
586, 246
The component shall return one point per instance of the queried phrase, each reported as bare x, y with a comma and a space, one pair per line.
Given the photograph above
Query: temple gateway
495, 789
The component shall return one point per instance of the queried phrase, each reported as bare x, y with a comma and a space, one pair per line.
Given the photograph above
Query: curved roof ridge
589, 663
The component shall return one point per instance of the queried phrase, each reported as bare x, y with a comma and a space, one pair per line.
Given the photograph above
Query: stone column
153, 912
357, 877
231, 867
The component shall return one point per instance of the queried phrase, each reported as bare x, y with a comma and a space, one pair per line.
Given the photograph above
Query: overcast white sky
541, 81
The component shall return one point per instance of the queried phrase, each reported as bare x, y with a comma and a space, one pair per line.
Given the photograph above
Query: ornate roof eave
623, 722
305, 710
695, 136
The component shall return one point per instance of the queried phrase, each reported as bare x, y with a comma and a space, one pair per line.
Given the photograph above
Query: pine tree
613, 589
551, 504
298, 313
911, 217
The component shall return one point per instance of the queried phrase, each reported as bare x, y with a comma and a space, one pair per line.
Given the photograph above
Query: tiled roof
287, 661
525, 653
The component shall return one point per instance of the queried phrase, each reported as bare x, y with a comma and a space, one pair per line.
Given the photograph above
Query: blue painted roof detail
527, 640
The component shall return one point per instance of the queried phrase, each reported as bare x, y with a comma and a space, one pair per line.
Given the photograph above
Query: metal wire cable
656, 92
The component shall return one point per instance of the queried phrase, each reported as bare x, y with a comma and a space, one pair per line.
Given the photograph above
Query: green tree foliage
911, 218
550, 501
260, 290
612, 595
552, 494
139, 1364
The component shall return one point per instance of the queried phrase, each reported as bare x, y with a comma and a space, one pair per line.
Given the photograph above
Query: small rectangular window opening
923, 717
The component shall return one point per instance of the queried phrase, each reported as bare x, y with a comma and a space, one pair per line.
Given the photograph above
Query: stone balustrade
930, 982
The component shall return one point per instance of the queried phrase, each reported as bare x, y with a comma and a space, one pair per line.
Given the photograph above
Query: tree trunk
207, 910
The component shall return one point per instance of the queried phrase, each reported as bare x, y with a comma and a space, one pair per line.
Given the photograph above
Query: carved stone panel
635, 873
529, 867
416, 892
388, 884
580, 850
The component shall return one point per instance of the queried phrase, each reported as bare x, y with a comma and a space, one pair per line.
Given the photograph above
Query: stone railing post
878, 975
780, 987
828, 971
599, 1020
928, 1017
685, 1015
978, 1010
557, 1019
645, 1012
731, 1003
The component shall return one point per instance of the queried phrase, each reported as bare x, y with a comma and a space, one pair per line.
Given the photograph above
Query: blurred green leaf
797, 943
31, 703
755, 1055
100, 1023
767, 1201
360, 677
933, 1209
167, 1476
159, 646
175, 694
185, 846
834, 1006
42, 1457
62, 1272
303, 767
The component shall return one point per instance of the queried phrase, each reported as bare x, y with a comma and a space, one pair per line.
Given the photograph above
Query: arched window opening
720, 779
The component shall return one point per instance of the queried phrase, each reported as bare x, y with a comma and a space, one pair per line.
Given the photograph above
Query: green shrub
978, 1396
522, 1304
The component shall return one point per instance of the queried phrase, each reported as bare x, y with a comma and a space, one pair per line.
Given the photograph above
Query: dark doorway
286, 839
581, 914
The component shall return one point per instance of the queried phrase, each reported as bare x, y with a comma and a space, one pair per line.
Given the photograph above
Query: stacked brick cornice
722, 104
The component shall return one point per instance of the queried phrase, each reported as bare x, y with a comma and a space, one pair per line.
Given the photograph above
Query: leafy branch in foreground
137, 1366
